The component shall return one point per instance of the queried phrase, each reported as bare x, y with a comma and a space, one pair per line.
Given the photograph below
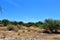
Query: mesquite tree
52, 25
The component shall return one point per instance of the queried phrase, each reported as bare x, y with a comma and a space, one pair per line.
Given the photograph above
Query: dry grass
29, 33
2, 28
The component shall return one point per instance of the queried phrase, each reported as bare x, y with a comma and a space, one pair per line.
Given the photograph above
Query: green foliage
5, 22
0, 22
48, 24
25, 38
14, 23
1, 25
20, 23
29, 24
37, 24
18, 38
52, 25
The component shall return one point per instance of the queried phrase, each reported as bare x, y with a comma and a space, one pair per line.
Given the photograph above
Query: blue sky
30, 10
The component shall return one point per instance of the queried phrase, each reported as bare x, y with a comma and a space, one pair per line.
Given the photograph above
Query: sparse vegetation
12, 28
1, 25
19, 26
51, 26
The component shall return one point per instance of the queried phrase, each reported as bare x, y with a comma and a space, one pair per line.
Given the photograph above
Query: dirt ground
12, 35
25, 33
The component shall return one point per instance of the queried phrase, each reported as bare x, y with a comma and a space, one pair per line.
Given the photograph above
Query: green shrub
1, 25
12, 28
19, 26
51, 25
5, 22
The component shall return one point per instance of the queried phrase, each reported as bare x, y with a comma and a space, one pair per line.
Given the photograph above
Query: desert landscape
48, 30
29, 19
27, 34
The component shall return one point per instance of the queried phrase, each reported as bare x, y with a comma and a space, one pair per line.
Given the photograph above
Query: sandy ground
11, 35
26, 34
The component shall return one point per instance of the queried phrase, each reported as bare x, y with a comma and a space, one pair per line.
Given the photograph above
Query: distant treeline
5, 22
49, 25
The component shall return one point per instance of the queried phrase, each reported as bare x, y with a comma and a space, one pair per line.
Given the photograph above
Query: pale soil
10, 35
24, 33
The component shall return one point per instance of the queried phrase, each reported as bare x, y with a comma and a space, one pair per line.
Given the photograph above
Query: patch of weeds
1, 25
12, 28
18, 38
19, 27
32, 38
